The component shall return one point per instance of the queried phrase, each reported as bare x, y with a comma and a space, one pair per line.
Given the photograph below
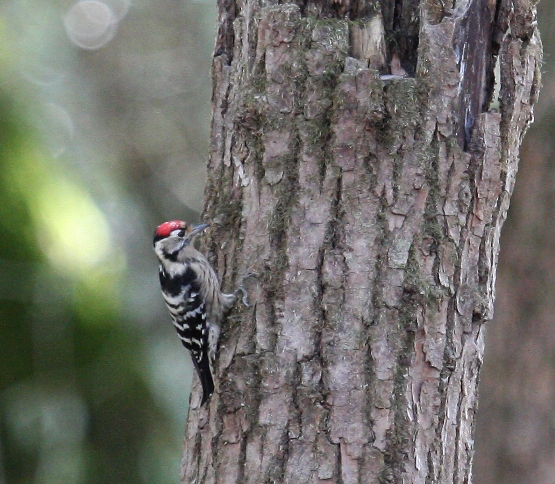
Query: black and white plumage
192, 293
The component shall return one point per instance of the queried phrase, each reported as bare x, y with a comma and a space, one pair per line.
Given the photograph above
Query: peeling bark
370, 205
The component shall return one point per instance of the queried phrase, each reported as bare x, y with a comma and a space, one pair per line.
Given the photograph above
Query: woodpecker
192, 294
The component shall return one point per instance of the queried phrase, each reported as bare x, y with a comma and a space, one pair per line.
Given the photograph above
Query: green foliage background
93, 382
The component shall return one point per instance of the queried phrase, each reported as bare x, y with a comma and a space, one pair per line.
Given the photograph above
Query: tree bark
358, 169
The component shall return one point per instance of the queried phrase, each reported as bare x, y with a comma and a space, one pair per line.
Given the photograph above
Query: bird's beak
197, 229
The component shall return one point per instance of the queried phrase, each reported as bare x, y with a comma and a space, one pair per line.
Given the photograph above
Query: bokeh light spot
90, 24
72, 230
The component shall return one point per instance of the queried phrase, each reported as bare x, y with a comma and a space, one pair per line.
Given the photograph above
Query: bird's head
172, 237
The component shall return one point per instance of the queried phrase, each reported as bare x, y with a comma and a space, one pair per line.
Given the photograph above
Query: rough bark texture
370, 206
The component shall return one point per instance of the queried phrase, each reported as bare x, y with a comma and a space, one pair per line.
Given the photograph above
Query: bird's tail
205, 374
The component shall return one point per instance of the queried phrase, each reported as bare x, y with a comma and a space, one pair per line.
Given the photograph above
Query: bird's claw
241, 290
245, 296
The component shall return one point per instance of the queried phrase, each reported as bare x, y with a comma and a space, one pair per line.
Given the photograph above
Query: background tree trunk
358, 169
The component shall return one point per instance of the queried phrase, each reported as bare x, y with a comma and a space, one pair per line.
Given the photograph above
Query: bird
193, 295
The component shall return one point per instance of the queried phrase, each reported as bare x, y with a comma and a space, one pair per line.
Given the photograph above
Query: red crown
168, 227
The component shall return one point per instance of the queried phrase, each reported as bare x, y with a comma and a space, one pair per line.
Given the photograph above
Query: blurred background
104, 114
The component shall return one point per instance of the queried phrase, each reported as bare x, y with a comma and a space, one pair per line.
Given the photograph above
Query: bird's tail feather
205, 374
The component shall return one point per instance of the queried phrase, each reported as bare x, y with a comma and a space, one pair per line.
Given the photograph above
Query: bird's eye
178, 233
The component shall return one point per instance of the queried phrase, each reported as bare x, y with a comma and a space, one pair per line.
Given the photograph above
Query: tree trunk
358, 169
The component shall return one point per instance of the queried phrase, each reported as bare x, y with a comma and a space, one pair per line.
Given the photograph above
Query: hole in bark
477, 317
402, 25
400, 29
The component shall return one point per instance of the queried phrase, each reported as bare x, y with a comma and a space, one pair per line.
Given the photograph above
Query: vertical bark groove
374, 233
